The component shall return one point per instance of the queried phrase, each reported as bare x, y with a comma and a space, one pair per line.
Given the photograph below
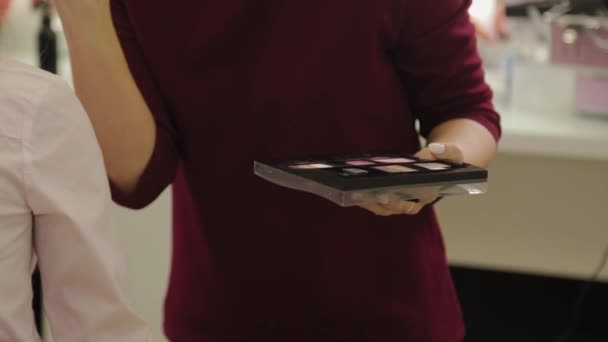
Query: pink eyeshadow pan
359, 163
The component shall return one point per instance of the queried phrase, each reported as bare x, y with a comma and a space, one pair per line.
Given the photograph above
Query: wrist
93, 47
80, 36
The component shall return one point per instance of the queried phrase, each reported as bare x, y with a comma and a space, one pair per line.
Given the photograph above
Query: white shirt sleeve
74, 237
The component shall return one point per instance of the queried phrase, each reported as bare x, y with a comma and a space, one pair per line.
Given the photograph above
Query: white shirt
52, 178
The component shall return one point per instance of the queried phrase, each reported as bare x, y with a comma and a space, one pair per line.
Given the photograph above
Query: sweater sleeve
161, 168
438, 63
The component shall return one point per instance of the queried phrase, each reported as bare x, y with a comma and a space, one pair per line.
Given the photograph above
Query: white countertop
565, 134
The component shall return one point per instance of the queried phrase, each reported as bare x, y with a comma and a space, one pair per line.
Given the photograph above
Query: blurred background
527, 257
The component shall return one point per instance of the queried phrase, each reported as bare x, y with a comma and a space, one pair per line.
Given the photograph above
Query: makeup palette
349, 180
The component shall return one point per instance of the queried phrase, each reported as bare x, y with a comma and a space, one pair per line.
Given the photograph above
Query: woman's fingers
398, 206
389, 204
377, 209
393, 203
450, 152
394, 208
425, 154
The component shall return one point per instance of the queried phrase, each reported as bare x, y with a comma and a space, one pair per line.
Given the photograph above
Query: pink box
590, 96
580, 40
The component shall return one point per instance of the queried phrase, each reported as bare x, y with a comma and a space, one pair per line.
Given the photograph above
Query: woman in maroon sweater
218, 84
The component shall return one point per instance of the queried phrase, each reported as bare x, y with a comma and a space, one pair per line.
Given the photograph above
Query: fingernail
437, 148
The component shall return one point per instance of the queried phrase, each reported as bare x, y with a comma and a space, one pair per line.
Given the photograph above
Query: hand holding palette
357, 179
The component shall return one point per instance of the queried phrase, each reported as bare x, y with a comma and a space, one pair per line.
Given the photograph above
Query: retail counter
547, 207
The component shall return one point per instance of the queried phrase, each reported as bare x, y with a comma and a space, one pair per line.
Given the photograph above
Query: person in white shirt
55, 210
489, 18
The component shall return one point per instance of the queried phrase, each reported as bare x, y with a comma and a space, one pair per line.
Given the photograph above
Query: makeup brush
47, 40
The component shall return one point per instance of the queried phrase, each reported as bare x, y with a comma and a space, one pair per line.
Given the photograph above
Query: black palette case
350, 180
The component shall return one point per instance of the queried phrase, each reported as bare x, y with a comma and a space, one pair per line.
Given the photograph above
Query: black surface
509, 307
48, 57
458, 173
47, 43
37, 301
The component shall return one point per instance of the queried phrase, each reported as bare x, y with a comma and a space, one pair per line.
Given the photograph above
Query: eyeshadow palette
354, 179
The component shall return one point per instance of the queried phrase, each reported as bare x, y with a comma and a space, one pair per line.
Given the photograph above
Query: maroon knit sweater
233, 81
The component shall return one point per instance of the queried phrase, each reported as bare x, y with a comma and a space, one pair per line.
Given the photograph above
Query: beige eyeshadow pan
395, 169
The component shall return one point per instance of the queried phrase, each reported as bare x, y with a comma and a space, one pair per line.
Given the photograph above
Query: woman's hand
390, 203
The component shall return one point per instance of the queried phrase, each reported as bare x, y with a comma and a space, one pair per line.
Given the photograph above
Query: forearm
123, 123
476, 142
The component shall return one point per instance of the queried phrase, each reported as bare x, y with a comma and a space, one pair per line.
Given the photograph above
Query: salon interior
529, 256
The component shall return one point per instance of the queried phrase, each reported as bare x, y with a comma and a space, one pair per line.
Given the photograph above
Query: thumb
450, 152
